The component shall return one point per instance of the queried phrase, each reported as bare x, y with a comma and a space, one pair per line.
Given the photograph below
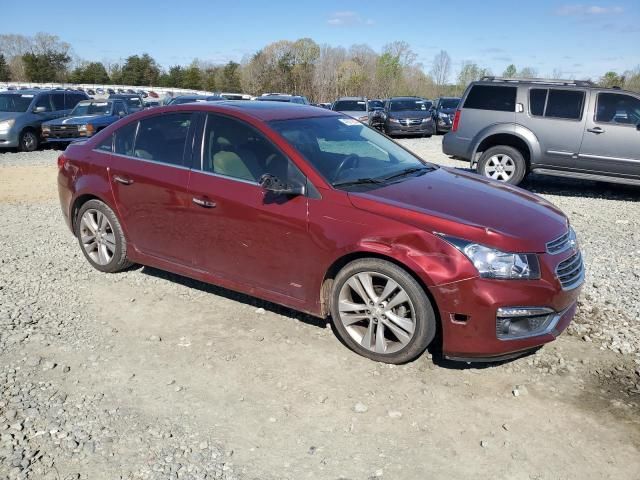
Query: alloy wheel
376, 312
29, 141
97, 236
500, 167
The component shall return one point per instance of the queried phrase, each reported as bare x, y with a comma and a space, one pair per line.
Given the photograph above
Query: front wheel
28, 141
503, 163
381, 312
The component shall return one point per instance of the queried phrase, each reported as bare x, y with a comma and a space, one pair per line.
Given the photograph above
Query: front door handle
596, 130
203, 203
122, 180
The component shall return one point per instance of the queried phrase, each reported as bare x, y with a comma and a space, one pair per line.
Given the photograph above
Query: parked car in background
356, 107
91, 92
153, 94
152, 102
134, 101
325, 105
235, 96
193, 98
86, 119
282, 97
111, 91
142, 93
508, 127
408, 116
377, 116
392, 247
22, 113
444, 110
100, 91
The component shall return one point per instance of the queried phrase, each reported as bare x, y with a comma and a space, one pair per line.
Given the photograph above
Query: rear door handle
203, 203
596, 130
122, 180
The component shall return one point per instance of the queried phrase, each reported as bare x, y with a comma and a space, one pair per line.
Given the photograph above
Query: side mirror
638, 127
121, 114
273, 184
39, 109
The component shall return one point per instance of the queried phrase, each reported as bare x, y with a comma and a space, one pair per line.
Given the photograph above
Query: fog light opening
522, 322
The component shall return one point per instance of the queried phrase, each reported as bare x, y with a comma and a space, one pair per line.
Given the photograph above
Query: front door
244, 233
150, 184
611, 143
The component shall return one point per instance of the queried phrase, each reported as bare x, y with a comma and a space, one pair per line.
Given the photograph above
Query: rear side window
163, 138
618, 108
125, 138
58, 101
566, 104
490, 97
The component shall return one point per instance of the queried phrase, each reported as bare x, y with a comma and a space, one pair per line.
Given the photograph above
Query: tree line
302, 67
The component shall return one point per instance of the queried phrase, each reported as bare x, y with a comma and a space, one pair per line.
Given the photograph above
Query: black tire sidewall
23, 135
119, 260
516, 156
425, 315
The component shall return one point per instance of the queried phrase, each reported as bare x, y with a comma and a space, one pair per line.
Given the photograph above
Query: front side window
346, 153
58, 101
234, 149
537, 101
492, 97
618, 108
72, 99
163, 138
449, 103
44, 101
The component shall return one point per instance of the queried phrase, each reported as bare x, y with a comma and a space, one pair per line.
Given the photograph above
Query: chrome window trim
153, 162
219, 175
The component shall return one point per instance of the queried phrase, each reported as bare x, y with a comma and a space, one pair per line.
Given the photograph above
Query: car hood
10, 115
81, 120
354, 113
409, 114
468, 206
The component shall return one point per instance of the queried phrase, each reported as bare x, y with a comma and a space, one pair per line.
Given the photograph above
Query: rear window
555, 103
350, 106
490, 97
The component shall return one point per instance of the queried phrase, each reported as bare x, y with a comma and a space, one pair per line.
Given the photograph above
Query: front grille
408, 122
560, 244
63, 131
570, 272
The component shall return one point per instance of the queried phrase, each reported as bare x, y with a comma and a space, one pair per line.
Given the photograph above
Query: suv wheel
381, 312
101, 237
503, 163
29, 141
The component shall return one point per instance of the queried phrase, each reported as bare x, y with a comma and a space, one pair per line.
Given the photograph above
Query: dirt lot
149, 375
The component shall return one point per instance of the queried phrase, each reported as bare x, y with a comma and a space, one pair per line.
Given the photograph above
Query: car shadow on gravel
233, 295
548, 185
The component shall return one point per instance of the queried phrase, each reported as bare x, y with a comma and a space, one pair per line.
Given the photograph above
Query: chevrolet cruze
311, 209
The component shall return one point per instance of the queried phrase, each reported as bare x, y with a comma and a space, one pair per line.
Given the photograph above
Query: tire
360, 328
28, 141
109, 252
504, 164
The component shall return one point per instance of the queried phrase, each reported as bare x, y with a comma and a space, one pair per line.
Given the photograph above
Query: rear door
149, 181
611, 143
557, 117
244, 233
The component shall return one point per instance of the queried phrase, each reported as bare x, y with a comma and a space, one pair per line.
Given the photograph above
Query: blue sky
580, 39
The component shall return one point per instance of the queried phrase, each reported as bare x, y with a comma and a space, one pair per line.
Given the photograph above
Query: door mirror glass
121, 113
275, 185
39, 109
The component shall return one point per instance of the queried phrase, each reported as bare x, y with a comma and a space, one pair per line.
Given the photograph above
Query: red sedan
311, 209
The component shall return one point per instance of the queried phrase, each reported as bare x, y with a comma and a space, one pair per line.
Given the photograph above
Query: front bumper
469, 308
444, 124
8, 139
63, 140
399, 129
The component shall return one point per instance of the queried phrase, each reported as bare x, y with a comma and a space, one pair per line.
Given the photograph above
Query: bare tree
441, 69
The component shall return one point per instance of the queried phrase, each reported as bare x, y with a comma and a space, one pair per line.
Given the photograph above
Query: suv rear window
555, 103
490, 97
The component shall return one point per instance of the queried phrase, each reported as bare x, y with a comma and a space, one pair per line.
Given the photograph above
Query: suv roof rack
577, 83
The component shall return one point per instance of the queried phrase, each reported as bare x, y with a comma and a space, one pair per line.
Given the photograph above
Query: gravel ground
145, 375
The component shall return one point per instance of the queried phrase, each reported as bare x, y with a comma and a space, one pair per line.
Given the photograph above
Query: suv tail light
456, 121
61, 161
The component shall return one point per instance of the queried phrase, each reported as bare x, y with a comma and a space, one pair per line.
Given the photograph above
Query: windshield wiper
407, 171
359, 181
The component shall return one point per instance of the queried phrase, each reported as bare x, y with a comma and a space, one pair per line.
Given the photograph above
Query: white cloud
348, 18
581, 10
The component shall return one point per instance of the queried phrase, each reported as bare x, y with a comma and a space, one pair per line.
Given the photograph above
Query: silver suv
508, 127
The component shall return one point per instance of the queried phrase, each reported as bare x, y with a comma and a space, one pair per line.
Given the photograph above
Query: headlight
6, 125
394, 120
82, 128
427, 120
493, 263
46, 128
443, 115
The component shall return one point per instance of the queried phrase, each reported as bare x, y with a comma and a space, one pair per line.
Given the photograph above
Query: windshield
91, 108
350, 106
377, 104
348, 154
134, 102
409, 105
449, 103
15, 103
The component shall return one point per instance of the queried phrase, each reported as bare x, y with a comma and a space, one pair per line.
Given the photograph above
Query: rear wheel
28, 141
381, 312
503, 163
101, 237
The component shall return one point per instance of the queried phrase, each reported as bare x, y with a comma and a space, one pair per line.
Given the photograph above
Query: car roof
264, 111
351, 98
409, 98
124, 95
